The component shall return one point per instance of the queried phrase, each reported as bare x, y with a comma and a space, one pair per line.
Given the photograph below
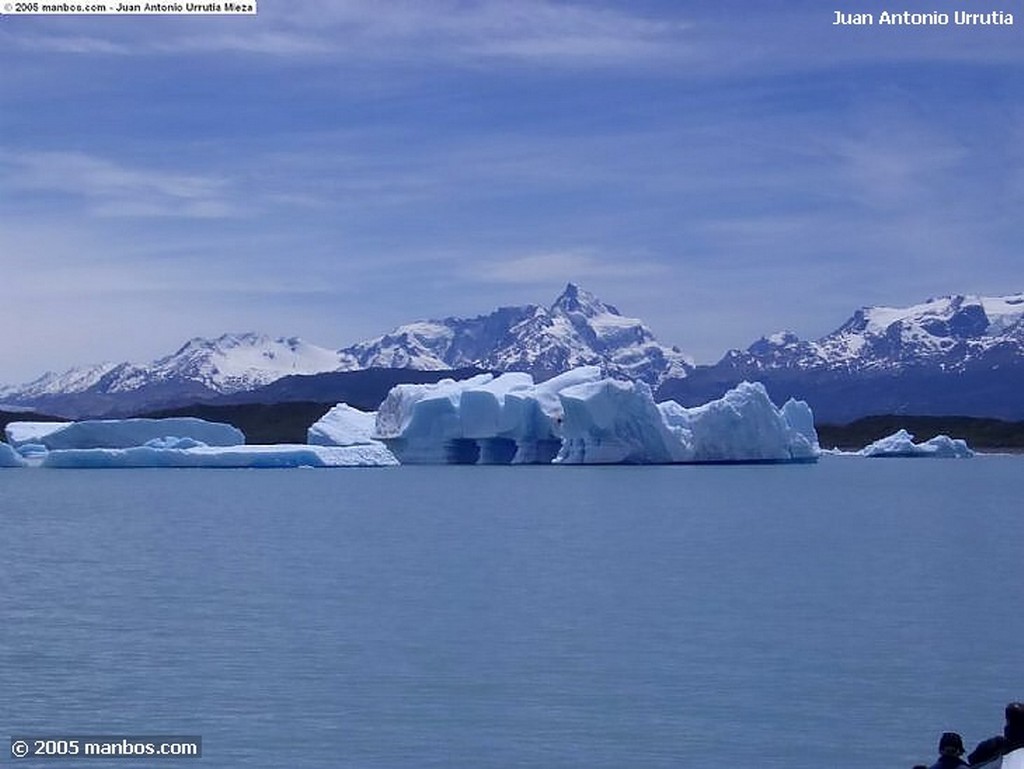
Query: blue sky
721, 168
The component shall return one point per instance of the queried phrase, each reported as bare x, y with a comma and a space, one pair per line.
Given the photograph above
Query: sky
330, 169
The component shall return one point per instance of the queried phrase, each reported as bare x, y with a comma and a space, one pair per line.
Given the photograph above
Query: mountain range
955, 355
577, 329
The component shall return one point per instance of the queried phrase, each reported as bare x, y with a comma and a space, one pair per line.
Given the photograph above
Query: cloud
76, 44
260, 42
545, 31
534, 31
558, 267
896, 165
514, 29
107, 188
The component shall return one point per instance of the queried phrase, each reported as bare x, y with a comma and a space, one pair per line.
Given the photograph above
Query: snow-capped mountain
72, 381
199, 370
952, 355
578, 329
230, 363
952, 332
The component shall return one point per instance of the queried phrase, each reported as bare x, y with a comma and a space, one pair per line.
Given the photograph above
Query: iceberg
420, 424
744, 426
21, 433
177, 452
343, 425
480, 420
616, 422
580, 417
347, 427
9, 457
120, 433
901, 444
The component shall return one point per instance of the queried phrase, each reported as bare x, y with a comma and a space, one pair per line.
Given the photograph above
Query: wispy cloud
107, 188
71, 43
535, 31
896, 165
261, 41
529, 30
557, 267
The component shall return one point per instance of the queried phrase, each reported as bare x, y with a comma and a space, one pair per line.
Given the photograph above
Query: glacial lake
842, 614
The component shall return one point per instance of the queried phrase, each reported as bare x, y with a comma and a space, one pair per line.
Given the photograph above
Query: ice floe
901, 444
120, 433
282, 455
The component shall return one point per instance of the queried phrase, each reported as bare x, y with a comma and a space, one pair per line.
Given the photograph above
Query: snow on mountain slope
71, 381
420, 346
230, 363
950, 332
576, 330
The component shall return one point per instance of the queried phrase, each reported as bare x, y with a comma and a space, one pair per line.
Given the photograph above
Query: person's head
951, 744
1014, 729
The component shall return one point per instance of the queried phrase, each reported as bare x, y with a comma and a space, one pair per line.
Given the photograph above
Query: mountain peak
578, 329
221, 343
574, 299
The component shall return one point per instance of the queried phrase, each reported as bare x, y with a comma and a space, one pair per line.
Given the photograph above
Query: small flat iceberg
19, 434
901, 444
176, 452
120, 433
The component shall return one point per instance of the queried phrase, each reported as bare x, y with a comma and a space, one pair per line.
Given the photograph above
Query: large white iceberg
9, 457
120, 433
582, 418
616, 422
184, 453
901, 444
484, 419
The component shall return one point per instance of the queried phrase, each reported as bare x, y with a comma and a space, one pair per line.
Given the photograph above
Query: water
839, 614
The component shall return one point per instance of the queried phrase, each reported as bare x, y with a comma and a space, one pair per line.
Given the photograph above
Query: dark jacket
988, 749
948, 762
1010, 740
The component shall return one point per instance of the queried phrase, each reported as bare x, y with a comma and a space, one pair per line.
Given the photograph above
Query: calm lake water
830, 615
